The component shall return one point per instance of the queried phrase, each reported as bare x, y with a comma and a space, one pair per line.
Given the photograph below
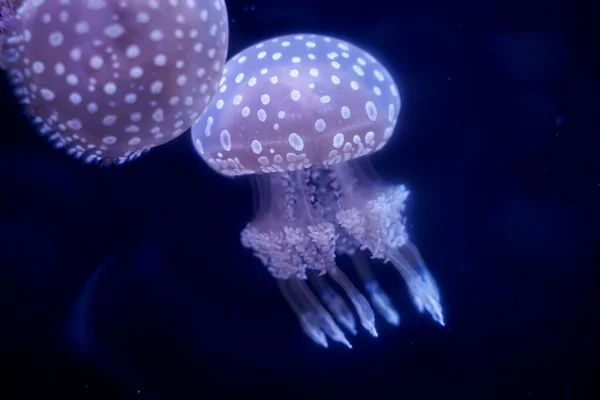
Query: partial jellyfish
108, 80
300, 113
8, 9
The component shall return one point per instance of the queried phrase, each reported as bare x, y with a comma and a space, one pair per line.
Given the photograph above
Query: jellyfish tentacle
362, 306
325, 319
420, 282
379, 298
307, 321
334, 302
312, 313
381, 227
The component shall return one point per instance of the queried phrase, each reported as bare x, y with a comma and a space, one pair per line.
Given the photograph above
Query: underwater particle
108, 80
299, 113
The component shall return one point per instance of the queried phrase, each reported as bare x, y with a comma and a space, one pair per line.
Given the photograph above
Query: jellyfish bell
293, 105
300, 113
8, 10
108, 80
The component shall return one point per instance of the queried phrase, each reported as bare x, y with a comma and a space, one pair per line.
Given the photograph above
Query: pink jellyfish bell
300, 112
107, 79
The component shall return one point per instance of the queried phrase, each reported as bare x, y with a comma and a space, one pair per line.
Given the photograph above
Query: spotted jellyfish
8, 9
300, 113
108, 80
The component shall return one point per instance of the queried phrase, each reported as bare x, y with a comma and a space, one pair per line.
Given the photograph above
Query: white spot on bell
296, 141
371, 110
338, 140
113, 31
345, 112
256, 146
262, 115
55, 39
225, 140
320, 125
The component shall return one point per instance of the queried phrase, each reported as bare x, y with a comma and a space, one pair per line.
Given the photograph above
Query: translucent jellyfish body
300, 113
108, 80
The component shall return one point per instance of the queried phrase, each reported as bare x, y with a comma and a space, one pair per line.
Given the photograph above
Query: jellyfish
109, 80
300, 113
8, 10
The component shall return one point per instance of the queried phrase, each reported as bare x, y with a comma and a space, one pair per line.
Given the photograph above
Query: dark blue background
120, 280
